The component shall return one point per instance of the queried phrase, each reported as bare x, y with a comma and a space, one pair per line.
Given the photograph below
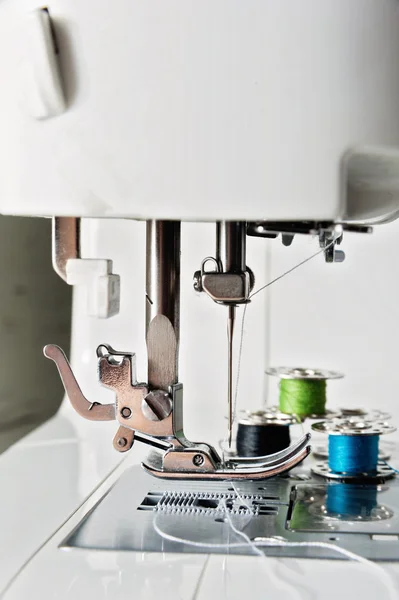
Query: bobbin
367, 415
321, 450
263, 432
268, 416
305, 373
353, 427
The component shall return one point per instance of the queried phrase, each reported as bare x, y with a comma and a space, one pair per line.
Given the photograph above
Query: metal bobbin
270, 416
305, 373
353, 427
321, 450
263, 432
367, 415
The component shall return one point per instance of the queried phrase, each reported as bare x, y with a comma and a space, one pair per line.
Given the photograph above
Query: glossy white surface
199, 110
89, 575
44, 478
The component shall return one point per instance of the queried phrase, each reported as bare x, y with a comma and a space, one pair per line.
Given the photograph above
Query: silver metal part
329, 240
65, 243
352, 426
229, 280
302, 373
156, 405
234, 469
267, 417
382, 473
295, 508
89, 410
163, 302
230, 334
329, 415
368, 415
163, 272
231, 246
180, 458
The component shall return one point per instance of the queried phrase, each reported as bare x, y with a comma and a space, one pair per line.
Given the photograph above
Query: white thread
245, 311
273, 542
279, 582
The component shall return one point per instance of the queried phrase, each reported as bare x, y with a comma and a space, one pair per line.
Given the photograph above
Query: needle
230, 333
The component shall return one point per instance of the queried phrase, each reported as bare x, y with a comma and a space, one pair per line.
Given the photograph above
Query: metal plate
313, 509
193, 511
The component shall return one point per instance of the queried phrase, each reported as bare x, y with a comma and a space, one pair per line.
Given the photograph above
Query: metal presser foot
154, 417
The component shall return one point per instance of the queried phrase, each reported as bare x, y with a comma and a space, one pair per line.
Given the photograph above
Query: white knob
43, 89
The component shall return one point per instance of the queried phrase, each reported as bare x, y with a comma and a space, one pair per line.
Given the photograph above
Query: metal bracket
103, 286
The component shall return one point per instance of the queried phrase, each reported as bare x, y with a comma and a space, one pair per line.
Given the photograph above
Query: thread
261, 440
351, 501
264, 287
353, 454
303, 397
257, 544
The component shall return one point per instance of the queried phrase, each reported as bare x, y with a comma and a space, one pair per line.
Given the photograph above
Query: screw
126, 412
157, 405
198, 460
121, 442
197, 281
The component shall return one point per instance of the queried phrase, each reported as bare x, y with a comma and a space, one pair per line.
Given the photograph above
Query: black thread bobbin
262, 433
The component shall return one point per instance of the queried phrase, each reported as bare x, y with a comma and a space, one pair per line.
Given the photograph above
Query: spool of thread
352, 449
302, 390
261, 433
353, 454
303, 397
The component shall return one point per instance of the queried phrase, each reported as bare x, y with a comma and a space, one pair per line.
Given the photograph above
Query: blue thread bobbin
321, 450
353, 450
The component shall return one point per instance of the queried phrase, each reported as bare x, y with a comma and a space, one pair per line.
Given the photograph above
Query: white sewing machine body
193, 111
196, 111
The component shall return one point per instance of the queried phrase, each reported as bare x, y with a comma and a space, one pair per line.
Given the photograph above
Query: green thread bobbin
303, 392
303, 397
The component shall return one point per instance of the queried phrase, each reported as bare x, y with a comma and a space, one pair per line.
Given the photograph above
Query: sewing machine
201, 133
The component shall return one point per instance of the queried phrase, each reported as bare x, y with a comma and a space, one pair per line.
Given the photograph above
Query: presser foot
193, 463
154, 417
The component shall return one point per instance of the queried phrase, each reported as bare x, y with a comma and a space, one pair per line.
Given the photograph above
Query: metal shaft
66, 242
231, 253
230, 334
163, 299
231, 245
